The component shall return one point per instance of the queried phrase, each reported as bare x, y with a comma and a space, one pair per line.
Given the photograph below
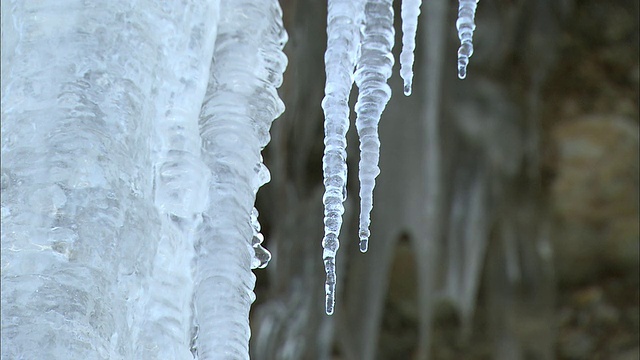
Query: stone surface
595, 196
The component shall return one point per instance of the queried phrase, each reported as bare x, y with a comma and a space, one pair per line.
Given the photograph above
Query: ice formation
373, 70
466, 26
127, 205
240, 104
344, 18
361, 33
410, 11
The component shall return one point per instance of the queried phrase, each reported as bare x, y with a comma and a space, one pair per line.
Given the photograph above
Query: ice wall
79, 228
124, 198
181, 178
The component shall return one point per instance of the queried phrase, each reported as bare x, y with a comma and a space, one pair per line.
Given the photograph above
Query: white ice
247, 67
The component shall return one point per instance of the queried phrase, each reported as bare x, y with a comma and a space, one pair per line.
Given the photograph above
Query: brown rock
596, 196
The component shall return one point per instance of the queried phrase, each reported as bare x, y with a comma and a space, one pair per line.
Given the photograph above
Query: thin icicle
465, 25
343, 42
374, 68
409, 12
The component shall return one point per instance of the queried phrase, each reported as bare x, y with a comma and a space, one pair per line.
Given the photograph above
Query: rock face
595, 196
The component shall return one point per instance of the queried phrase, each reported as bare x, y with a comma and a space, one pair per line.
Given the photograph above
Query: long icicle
410, 11
374, 68
343, 42
465, 25
240, 104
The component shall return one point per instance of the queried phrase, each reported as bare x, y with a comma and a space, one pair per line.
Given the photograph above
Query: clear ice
128, 227
373, 69
410, 11
466, 26
344, 19
240, 104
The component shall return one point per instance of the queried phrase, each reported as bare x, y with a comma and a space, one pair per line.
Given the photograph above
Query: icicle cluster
466, 26
360, 36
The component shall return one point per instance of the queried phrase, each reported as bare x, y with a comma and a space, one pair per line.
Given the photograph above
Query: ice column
181, 178
344, 18
77, 216
465, 25
373, 70
410, 11
240, 104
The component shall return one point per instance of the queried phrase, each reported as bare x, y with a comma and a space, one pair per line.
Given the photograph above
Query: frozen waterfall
130, 165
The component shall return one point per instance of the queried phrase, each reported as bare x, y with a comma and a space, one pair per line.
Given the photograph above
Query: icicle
181, 178
465, 25
374, 68
343, 42
240, 104
409, 12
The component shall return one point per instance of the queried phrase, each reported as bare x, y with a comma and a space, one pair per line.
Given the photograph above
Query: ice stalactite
410, 11
181, 177
344, 19
374, 40
240, 104
373, 69
466, 26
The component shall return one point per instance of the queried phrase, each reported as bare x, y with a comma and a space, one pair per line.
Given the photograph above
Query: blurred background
505, 221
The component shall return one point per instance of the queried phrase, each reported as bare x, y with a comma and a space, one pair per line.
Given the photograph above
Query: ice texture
374, 68
239, 106
261, 255
127, 223
410, 11
76, 190
181, 178
466, 26
344, 19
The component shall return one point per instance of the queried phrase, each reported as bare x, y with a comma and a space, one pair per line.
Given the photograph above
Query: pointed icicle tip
410, 11
330, 305
462, 72
407, 88
364, 245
